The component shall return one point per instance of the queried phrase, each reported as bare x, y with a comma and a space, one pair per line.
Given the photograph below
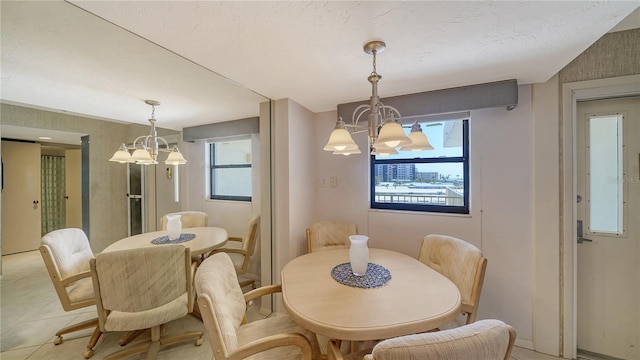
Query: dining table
200, 240
398, 295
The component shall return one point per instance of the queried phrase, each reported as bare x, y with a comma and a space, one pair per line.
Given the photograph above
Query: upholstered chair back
217, 284
328, 235
241, 249
250, 236
66, 254
70, 251
484, 339
188, 219
460, 262
139, 280
144, 288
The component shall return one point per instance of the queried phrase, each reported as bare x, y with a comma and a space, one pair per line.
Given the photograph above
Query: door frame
571, 94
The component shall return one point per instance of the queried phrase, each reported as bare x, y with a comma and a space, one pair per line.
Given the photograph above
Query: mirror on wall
67, 70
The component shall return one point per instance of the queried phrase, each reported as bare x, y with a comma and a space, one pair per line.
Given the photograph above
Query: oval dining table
206, 239
415, 299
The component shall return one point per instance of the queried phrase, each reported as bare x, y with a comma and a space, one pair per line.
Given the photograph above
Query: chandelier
146, 147
385, 133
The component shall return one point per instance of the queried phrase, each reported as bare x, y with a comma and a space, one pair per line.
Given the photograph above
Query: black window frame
213, 167
464, 159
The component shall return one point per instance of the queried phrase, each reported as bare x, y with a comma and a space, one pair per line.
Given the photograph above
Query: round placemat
165, 239
376, 276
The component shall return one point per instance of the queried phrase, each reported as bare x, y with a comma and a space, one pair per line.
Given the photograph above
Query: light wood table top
416, 298
207, 239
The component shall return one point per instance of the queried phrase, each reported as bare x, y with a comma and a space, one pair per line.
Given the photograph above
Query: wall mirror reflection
68, 74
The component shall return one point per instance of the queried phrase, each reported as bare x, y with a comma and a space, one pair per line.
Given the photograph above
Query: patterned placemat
376, 276
165, 239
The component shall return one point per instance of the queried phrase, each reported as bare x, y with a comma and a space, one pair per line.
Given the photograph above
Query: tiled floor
31, 314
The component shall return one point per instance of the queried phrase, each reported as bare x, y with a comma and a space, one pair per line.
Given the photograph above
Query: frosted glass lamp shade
419, 142
122, 155
384, 151
339, 140
175, 158
392, 135
142, 156
347, 152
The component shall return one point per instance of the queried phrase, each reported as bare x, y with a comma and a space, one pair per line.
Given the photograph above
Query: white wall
501, 219
546, 198
230, 215
295, 179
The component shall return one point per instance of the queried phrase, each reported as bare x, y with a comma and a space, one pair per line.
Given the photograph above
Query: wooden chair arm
76, 277
229, 251
233, 238
274, 341
262, 291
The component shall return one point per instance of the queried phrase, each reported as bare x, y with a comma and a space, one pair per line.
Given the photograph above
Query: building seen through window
433, 180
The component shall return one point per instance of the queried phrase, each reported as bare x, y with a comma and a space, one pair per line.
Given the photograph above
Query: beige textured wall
108, 203
615, 54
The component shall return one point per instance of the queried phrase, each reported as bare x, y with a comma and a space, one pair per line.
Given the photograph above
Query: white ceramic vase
359, 254
174, 226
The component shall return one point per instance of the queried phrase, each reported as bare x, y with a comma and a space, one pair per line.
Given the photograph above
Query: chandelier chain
374, 62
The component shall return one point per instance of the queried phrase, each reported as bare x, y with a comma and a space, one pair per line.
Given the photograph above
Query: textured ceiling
103, 58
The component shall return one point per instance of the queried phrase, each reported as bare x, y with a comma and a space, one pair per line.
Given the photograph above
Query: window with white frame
230, 174
433, 180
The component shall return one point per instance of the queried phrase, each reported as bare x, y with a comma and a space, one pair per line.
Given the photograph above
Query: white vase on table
174, 226
359, 254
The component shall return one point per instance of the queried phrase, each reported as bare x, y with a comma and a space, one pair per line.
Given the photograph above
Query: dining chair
482, 340
223, 307
241, 249
460, 262
328, 235
188, 219
144, 288
66, 254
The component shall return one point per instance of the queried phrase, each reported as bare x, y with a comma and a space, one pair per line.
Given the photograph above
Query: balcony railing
451, 199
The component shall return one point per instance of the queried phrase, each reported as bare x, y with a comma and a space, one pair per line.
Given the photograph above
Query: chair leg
73, 328
128, 351
92, 342
128, 337
181, 337
153, 346
156, 331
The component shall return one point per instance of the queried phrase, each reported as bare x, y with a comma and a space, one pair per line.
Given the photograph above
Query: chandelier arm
166, 144
363, 109
139, 139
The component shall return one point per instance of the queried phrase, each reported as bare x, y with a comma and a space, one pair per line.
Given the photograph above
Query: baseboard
526, 344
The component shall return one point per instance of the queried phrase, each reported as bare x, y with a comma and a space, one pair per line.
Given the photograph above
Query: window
435, 181
230, 170
605, 167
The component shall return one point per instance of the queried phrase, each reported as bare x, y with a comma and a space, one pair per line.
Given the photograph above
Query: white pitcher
359, 254
174, 226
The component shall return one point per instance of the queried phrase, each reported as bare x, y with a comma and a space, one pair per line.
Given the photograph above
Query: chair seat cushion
276, 324
124, 321
82, 291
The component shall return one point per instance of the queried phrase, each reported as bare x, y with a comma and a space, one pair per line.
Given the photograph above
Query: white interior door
608, 209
